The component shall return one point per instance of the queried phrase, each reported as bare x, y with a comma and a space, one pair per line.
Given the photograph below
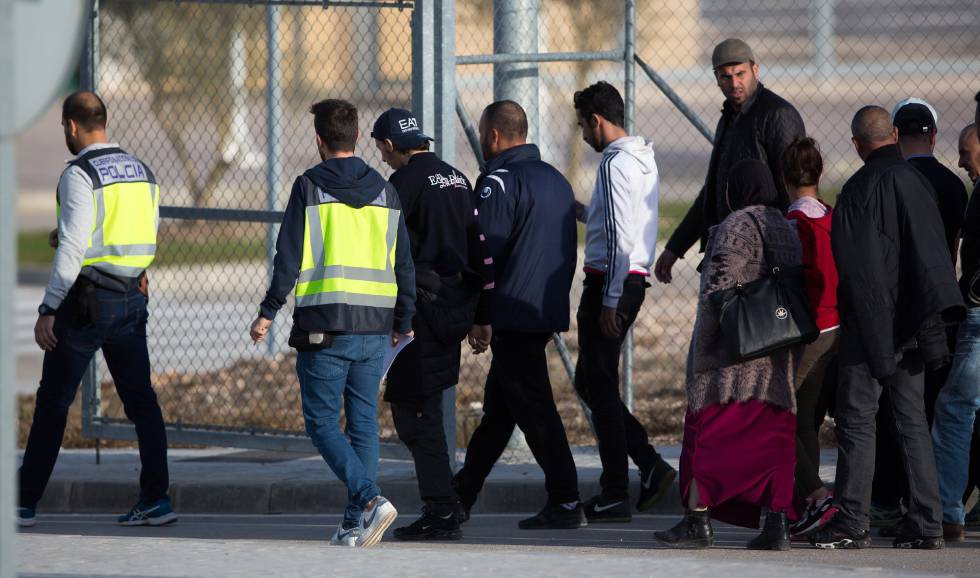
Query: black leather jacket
762, 130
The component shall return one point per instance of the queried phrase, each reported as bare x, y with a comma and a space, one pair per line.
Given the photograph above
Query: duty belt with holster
89, 279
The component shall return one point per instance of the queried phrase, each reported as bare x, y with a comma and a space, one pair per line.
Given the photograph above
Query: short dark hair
507, 117
872, 124
604, 100
802, 163
423, 147
335, 122
86, 109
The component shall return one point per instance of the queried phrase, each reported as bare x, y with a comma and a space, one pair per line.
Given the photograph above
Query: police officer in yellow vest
108, 208
344, 246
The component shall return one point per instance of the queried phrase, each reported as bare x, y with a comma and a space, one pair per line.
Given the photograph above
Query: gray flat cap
731, 51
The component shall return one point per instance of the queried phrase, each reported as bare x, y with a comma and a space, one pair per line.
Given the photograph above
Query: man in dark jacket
895, 276
527, 212
450, 271
916, 122
344, 247
755, 123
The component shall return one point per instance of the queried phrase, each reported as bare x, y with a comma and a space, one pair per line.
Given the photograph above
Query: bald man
526, 210
95, 299
970, 152
895, 279
959, 399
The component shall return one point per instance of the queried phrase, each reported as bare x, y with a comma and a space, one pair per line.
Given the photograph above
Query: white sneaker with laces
375, 519
346, 537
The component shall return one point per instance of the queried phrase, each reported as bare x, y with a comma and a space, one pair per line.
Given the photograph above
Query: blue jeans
120, 332
956, 408
348, 370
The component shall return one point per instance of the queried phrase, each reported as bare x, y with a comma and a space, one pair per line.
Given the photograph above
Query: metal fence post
822, 31
88, 80
515, 31
273, 138
629, 52
435, 104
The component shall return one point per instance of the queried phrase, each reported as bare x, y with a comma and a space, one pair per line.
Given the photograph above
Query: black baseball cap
401, 128
914, 116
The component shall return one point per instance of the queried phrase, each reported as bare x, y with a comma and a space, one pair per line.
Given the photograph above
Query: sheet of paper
392, 351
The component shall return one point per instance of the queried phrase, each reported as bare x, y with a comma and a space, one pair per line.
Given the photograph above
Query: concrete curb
328, 497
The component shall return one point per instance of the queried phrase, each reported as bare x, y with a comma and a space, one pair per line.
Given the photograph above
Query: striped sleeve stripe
612, 241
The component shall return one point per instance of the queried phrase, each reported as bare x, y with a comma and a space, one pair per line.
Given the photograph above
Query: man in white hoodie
621, 239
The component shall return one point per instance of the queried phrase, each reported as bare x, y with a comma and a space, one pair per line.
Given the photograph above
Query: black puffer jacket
891, 255
762, 130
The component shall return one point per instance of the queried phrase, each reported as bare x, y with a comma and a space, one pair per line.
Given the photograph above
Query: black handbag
767, 314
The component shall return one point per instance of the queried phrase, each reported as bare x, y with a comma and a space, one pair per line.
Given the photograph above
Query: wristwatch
44, 310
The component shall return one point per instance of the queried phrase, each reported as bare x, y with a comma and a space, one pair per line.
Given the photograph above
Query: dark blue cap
401, 128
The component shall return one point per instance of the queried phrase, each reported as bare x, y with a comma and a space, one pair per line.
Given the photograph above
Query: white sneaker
375, 520
348, 537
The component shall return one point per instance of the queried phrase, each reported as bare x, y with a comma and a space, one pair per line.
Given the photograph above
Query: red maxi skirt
742, 456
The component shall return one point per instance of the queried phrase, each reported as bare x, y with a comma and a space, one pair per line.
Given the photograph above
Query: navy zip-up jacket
354, 183
526, 209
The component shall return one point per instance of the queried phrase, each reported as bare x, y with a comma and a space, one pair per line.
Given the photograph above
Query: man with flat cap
450, 272
755, 123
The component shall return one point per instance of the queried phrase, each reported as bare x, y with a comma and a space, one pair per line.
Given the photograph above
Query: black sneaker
654, 484
836, 536
556, 517
598, 511
431, 526
909, 537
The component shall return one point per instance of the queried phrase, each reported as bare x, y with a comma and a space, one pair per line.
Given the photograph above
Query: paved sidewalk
252, 482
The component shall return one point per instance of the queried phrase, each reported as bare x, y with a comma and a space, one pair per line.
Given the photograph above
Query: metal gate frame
436, 103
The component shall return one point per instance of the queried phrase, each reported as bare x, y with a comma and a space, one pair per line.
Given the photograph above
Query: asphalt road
92, 545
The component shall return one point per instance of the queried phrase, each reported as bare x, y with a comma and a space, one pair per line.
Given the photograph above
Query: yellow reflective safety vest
349, 252
126, 200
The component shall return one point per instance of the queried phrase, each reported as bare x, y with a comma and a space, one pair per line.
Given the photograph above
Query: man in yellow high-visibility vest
108, 209
344, 246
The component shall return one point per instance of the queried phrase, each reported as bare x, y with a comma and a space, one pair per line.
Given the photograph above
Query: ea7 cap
400, 127
914, 116
731, 51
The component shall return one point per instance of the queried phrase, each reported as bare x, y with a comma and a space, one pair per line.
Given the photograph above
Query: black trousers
890, 484
618, 432
121, 334
518, 393
419, 426
857, 405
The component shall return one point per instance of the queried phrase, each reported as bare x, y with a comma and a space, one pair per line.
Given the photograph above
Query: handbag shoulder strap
770, 262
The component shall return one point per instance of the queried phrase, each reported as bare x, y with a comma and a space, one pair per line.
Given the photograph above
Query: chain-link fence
217, 107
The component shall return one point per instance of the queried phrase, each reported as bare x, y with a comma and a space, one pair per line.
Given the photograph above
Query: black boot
775, 534
693, 531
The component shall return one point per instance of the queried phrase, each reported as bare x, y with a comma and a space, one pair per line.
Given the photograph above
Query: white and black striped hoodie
621, 218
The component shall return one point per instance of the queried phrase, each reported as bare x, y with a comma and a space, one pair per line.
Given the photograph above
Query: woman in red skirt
739, 450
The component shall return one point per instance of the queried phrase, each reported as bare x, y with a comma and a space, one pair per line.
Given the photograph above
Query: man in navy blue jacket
527, 212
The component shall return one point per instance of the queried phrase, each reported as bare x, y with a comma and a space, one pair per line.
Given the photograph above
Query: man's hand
665, 262
579, 212
260, 328
44, 333
144, 285
479, 338
53, 239
397, 337
609, 322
